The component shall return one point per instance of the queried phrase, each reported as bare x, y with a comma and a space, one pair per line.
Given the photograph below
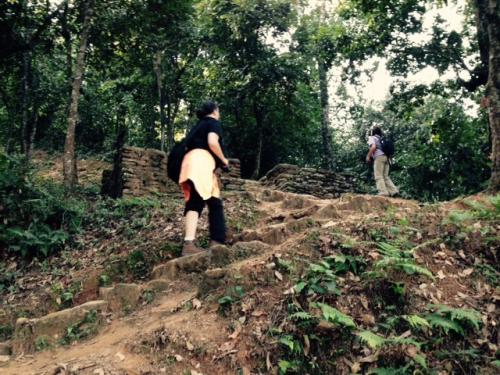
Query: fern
390, 371
464, 317
301, 315
416, 322
444, 324
402, 264
335, 316
388, 249
371, 339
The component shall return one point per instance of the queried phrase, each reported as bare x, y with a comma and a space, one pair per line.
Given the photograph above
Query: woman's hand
225, 162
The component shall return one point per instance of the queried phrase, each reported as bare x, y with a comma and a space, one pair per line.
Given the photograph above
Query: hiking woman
199, 181
381, 164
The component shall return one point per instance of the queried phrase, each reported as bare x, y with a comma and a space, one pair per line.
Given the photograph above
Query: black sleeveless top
198, 137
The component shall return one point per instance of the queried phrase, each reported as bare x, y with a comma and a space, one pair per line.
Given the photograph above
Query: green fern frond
444, 324
371, 339
335, 316
388, 249
402, 264
416, 322
495, 201
468, 316
405, 341
301, 315
458, 217
389, 371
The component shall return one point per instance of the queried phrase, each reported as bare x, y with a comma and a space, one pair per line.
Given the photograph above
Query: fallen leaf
307, 345
196, 303
268, 361
356, 367
278, 275
467, 271
258, 313
178, 358
441, 275
189, 346
236, 332
120, 356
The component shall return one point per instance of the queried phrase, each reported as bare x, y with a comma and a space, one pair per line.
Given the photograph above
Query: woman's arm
372, 150
214, 145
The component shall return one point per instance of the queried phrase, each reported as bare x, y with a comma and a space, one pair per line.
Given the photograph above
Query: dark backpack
174, 160
387, 146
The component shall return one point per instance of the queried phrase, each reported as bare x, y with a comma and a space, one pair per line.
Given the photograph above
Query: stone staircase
288, 217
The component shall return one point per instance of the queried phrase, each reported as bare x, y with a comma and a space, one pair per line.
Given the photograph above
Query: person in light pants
381, 164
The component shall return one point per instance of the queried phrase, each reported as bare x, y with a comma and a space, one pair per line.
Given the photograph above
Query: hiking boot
214, 243
190, 248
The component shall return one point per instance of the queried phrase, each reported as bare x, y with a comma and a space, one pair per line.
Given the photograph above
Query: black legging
216, 220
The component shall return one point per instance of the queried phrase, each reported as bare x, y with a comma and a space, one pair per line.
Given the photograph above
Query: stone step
47, 330
5, 348
121, 297
193, 263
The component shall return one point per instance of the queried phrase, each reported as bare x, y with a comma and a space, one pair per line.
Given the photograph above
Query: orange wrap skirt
199, 166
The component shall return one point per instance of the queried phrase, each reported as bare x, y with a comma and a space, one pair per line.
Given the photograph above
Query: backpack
387, 146
176, 155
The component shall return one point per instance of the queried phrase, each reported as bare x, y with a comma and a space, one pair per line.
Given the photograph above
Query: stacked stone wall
317, 182
141, 172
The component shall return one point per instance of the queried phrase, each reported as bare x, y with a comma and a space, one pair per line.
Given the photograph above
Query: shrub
38, 216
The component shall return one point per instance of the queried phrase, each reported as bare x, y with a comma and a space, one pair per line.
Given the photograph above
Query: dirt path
124, 346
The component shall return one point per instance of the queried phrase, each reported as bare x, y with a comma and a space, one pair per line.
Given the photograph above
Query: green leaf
446, 325
421, 360
299, 286
335, 316
416, 321
371, 339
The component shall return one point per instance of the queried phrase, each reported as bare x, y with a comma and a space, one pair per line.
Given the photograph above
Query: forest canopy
79, 74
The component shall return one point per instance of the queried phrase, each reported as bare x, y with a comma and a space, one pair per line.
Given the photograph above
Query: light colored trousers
381, 171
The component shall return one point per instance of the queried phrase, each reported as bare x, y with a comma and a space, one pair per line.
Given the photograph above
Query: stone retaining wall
317, 182
140, 172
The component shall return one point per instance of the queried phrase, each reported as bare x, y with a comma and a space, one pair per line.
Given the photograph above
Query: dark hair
376, 131
206, 108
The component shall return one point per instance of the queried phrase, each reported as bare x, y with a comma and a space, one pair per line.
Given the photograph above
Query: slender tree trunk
259, 119
161, 97
26, 103
66, 34
172, 115
69, 158
325, 119
492, 10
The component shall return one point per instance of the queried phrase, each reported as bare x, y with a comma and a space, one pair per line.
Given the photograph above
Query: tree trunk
66, 34
492, 9
325, 119
26, 103
259, 119
69, 158
161, 97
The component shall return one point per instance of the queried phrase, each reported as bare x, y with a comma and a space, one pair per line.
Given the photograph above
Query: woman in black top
199, 181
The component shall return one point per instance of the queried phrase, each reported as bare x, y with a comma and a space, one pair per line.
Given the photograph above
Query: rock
167, 271
5, 348
52, 326
212, 279
193, 263
276, 235
121, 296
246, 249
158, 285
4, 358
221, 255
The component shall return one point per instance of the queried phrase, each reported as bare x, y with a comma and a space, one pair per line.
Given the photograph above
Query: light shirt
375, 139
